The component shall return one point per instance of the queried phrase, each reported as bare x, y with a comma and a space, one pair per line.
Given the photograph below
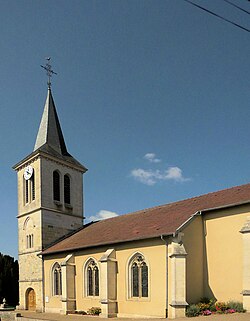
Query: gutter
166, 243
188, 221
99, 244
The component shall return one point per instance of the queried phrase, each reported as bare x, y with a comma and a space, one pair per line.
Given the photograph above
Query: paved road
59, 317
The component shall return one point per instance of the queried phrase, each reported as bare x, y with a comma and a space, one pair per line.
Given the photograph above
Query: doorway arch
31, 299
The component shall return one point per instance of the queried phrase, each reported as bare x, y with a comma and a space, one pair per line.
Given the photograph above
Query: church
151, 263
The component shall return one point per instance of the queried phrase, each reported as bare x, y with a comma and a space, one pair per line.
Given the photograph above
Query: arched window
29, 188
32, 182
66, 189
28, 227
57, 279
138, 275
92, 278
26, 191
29, 241
56, 186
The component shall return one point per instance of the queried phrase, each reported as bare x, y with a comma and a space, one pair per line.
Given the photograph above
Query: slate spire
50, 132
50, 137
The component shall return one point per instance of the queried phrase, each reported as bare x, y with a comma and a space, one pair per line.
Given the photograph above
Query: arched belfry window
92, 278
66, 189
29, 187
26, 191
138, 277
57, 279
33, 190
56, 186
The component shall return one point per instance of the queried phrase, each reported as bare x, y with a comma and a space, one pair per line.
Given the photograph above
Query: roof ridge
174, 202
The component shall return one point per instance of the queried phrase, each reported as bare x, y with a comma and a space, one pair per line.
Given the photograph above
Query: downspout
166, 243
43, 280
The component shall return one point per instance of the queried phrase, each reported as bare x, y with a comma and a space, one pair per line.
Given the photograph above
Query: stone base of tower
31, 297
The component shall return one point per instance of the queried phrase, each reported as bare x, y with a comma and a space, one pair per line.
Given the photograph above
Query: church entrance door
31, 300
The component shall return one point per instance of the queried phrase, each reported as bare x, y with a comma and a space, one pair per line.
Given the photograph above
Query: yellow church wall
155, 256
154, 252
83, 302
223, 253
52, 303
215, 239
193, 243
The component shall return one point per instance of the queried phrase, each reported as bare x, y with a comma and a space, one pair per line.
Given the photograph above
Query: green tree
9, 280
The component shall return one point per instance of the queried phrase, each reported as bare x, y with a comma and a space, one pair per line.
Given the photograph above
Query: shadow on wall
208, 293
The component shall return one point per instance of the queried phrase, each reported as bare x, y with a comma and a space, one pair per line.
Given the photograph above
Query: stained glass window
139, 277
92, 279
135, 280
144, 280
96, 272
57, 282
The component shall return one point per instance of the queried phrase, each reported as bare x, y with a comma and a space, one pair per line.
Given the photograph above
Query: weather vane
50, 72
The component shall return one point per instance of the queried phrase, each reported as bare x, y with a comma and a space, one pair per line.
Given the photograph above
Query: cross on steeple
47, 67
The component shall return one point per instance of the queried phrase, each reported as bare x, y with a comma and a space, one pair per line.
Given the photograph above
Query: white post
176, 279
246, 264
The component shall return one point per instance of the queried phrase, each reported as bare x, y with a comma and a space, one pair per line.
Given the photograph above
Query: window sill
92, 297
68, 206
139, 299
58, 203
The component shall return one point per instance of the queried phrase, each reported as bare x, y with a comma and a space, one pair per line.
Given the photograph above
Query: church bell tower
50, 202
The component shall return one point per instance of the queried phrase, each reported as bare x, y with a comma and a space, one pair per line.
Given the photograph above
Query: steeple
50, 132
50, 137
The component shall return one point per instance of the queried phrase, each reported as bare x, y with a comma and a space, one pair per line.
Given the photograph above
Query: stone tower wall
44, 219
48, 166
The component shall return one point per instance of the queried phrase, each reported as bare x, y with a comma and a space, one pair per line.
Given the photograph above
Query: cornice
40, 154
43, 208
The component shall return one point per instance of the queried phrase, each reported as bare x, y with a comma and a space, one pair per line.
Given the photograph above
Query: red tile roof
149, 223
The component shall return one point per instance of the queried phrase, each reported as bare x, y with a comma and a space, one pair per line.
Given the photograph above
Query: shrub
193, 310
203, 306
206, 312
80, 312
208, 306
94, 311
220, 306
235, 305
212, 307
205, 300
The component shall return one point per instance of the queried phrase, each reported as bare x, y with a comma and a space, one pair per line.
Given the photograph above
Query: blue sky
152, 96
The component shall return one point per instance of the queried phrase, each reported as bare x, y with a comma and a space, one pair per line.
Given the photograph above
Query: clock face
28, 172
